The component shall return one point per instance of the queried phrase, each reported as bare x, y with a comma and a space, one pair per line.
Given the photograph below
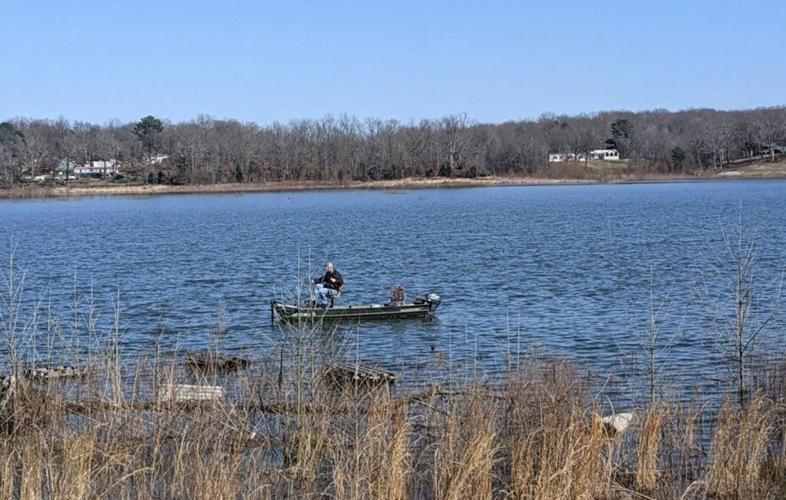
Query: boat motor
433, 302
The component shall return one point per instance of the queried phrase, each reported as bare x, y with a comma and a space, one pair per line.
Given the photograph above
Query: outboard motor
433, 302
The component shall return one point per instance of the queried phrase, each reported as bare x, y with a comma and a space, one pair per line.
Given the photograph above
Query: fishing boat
419, 308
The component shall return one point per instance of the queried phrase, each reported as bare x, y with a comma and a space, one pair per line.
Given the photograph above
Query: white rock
618, 422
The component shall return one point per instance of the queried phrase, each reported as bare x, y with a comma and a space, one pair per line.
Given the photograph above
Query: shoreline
37, 192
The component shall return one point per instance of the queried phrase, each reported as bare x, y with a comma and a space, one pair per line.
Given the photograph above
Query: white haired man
328, 285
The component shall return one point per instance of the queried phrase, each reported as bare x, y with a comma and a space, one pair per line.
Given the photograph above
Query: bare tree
585, 137
107, 146
718, 134
771, 127
84, 141
36, 146
736, 335
11, 141
454, 141
654, 342
66, 145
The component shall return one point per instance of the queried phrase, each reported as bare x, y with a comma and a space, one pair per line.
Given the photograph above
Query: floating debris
59, 373
345, 375
181, 393
205, 361
617, 423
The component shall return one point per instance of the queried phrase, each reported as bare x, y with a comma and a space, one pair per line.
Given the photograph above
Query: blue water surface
563, 270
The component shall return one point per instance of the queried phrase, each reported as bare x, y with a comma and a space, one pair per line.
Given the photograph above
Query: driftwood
345, 376
283, 408
210, 362
58, 373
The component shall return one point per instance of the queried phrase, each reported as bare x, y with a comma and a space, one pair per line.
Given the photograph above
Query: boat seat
337, 295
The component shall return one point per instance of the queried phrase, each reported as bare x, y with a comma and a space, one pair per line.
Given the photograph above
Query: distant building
605, 154
558, 157
158, 159
64, 165
595, 154
97, 168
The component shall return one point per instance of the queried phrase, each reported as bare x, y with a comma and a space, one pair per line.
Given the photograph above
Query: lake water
564, 270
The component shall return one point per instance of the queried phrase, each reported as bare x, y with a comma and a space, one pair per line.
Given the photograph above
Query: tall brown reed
648, 451
465, 450
740, 449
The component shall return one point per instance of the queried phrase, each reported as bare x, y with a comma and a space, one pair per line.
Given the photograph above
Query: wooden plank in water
180, 393
347, 375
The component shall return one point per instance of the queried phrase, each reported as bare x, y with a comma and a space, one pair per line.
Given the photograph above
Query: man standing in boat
328, 286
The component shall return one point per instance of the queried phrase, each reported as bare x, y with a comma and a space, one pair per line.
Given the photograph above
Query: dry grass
763, 170
648, 450
272, 187
740, 449
464, 450
557, 448
538, 436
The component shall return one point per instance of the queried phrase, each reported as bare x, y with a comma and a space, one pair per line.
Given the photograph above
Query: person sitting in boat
328, 286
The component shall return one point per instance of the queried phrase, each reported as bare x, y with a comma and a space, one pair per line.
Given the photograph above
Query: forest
341, 149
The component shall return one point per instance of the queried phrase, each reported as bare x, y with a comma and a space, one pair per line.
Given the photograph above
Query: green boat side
422, 308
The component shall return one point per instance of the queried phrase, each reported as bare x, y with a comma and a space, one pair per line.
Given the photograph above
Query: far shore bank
81, 189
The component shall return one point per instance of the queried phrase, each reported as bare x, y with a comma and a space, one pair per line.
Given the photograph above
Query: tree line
344, 148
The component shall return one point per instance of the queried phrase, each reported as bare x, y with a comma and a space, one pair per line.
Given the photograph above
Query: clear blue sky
268, 61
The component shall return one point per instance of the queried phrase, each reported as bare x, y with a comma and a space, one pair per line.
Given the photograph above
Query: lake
562, 270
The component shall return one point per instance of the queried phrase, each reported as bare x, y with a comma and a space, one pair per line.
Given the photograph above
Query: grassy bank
567, 173
85, 189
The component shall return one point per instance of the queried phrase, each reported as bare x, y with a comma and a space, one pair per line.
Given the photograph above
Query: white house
97, 168
595, 154
605, 154
558, 157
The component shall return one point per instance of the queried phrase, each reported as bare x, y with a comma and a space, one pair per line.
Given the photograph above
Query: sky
264, 61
